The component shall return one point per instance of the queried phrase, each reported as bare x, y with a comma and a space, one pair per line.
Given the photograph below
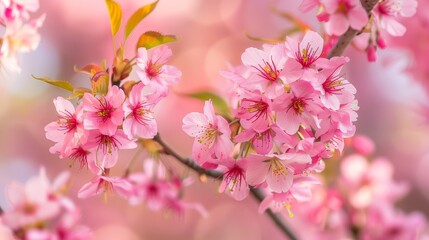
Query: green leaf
58, 83
219, 103
79, 92
152, 39
115, 14
138, 16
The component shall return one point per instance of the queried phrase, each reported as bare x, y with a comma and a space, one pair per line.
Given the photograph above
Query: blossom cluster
360, 201
340, 15
293, 108
20, 32
108, 119
41, 210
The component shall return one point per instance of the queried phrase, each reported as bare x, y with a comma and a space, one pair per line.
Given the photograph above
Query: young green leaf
138, 16
79, 92
152, 39
58, 83
219, 103
115, 14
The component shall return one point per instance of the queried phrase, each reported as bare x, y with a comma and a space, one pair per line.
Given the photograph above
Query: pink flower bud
371, 53
381, 43
363, 145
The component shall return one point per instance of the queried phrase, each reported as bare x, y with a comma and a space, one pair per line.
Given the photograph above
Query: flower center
256, 109
153, 69
209, 136
298, 104
108, 143
269, 71
306, 56
142, 114
277, 167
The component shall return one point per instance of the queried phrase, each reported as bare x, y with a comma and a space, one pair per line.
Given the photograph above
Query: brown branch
1, 211
345, 39
257, 193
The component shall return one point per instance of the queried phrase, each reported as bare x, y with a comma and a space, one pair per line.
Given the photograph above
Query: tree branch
1, 211
257, 193
345, 39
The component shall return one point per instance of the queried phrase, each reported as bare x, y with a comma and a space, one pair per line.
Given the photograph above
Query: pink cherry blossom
385, 223
158, 191
274, 170
303, 56
366, 183
299, 108
255, 112
104, 113
267, 66
138, 108
299, 191
261, 141
363, 145
107, 147
388, 11
344, 14
104, 184
31, 202
234, 179
153, 70
211, 132
18, 9
19, 37
68, 130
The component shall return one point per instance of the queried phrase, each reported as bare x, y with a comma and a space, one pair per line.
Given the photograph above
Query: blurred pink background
211, 35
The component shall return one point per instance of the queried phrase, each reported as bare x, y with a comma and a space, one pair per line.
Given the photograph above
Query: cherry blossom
153, 70
104, 113
211, 132
138, 108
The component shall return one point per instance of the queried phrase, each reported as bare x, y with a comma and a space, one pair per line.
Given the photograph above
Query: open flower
153, 70
68, 130
211, 132
138, 108
104, 113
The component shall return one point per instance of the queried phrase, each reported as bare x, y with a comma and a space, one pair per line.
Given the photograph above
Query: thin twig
186, 161
345, 39
259, 195
218, 175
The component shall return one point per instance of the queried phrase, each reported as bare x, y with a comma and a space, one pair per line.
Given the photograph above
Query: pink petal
358, 17
280, 182
392, 26
314, 40
257, 170
193, 123
337, 25
161, 54
63, 106
253, 57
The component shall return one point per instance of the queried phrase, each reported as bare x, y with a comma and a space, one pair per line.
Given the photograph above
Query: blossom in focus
104, 113
153, 70
212, 135
138, 108
234, 178
68, 130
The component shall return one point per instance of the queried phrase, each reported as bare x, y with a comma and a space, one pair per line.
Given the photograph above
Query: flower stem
257, 194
